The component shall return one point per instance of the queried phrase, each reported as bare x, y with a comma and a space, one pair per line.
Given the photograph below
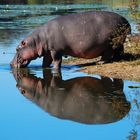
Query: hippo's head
29, 49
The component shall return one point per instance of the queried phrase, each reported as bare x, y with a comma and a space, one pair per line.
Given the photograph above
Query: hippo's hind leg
118, 52
117, 45
107, 56
47, 60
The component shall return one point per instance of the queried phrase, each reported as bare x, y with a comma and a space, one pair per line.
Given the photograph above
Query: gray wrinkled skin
85, 35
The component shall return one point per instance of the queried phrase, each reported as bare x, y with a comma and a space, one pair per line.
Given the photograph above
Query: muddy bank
128, 68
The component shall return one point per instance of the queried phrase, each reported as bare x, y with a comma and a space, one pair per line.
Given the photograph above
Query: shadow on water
86, 99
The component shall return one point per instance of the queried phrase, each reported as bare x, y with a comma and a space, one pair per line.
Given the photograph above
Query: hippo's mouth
24, 63
19, 62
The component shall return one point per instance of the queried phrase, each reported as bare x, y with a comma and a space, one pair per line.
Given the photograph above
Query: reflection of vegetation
134, 114
133, 135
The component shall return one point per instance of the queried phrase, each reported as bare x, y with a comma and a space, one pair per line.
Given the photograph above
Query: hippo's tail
119, 38
120, 34
128, 29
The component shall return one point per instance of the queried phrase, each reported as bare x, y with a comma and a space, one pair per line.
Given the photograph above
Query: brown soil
127, 68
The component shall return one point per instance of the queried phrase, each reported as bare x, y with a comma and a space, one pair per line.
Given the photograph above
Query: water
38, 104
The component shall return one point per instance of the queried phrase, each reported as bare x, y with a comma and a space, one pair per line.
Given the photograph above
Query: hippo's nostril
17, 49
12, 65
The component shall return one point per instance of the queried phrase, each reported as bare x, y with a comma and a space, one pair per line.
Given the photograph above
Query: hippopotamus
86, 99
83, 35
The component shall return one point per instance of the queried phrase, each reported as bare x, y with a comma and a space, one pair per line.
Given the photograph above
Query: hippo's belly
87, 54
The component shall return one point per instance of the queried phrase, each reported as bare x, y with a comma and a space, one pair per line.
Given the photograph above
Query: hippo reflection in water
86, 100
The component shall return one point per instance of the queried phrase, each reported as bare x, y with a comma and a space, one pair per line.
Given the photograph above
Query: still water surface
38, 104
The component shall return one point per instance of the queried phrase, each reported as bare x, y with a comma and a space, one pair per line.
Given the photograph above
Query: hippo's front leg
47, 60
57, 59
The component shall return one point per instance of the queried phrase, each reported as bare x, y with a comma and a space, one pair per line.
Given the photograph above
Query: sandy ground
128, 68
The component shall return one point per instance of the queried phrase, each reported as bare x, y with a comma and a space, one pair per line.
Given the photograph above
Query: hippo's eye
17, 49
23, 43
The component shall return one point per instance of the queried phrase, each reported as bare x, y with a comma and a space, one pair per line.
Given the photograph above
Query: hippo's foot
107, 57
118, 57
57, 60
56, 73
118, 53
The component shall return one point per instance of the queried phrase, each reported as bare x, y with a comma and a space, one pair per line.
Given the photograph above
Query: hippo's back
95, 20
85, 34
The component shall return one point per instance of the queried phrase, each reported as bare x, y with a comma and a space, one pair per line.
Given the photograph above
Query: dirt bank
127, 68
